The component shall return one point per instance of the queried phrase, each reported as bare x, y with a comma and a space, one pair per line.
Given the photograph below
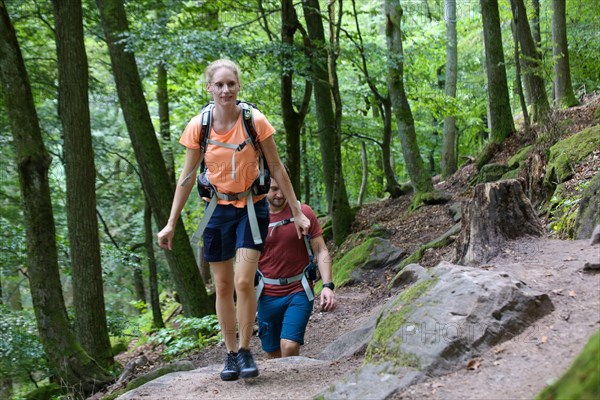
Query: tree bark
88, 293
292, 119
162, 98
498, 212
563, 89
449, 157
420, 178
182, 263
365, 174
535, 23
530, 64
65, 354
500, 113
519, 83
335, 187
157, 319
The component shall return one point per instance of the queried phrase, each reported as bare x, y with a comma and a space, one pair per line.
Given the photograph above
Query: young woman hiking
228, 237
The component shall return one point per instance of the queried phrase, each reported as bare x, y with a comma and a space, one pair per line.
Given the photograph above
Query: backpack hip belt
309, 272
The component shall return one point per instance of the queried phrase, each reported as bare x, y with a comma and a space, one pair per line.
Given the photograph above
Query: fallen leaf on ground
472, 365
544, 339
572, 293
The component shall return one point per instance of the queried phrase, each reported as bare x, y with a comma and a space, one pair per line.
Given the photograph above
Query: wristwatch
329, 285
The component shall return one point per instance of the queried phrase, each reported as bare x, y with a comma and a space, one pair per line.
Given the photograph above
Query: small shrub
187, 335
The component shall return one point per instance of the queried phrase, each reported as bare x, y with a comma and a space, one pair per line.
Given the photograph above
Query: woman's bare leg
224, 285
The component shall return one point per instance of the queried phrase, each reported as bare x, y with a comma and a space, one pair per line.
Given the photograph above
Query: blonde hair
210, 70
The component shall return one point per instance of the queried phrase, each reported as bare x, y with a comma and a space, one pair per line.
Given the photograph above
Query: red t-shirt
285, 255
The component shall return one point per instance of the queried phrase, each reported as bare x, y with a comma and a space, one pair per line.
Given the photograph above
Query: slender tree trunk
500, 114
306, 181
69, 361
365, 174
337, 199
383, 109
88, 291
292, 119
145, 145
563, 89
522, 101
448, 161
535, 23
157, 320
162, 98
6, 383
530, 64
421, 180
391, 183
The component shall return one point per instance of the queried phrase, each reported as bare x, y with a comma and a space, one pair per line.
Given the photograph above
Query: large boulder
362, 262
589, 210
447, 316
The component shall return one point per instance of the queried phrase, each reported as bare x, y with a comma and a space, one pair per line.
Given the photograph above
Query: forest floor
518, 368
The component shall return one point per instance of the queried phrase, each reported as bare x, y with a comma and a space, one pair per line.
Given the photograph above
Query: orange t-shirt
219, 160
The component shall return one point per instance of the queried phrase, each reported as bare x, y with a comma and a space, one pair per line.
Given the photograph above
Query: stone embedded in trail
448, 316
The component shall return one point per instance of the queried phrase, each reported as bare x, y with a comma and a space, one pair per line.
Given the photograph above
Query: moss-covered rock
516, 160
492, 172
589, 210
380, 349
512, 174
46, 392
582, 380
374, 253
564, 155
429, 198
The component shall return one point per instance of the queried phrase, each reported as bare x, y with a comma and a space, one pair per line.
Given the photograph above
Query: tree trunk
382, 108
391, 183
500, 113
337, 198
365, 174
531, 64
162, 98
88, 293
498, 212
6, 383
519, 83
535, 23
421, 180
182, 263
157, 319
292, 119
448, 161
66, 356
563, 89
306, 182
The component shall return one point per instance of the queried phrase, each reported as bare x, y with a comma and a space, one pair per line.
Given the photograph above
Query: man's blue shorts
283, 317
229, 230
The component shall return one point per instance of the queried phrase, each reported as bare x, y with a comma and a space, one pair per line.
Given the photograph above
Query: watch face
329, 285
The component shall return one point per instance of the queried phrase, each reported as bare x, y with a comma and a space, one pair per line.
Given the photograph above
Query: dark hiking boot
231, 371
246, 364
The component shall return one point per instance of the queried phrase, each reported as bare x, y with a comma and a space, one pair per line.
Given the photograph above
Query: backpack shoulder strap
205, 125
248, 120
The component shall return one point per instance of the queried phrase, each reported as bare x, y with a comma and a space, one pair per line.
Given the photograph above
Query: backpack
206, 190
309, 273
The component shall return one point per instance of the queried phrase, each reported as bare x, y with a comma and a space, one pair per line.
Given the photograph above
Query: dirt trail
518, 368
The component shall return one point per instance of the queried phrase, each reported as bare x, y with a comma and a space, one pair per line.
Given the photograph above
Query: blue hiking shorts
283, 317
229, 230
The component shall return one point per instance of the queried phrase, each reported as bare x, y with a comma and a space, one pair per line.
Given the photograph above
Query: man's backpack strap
303, 277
